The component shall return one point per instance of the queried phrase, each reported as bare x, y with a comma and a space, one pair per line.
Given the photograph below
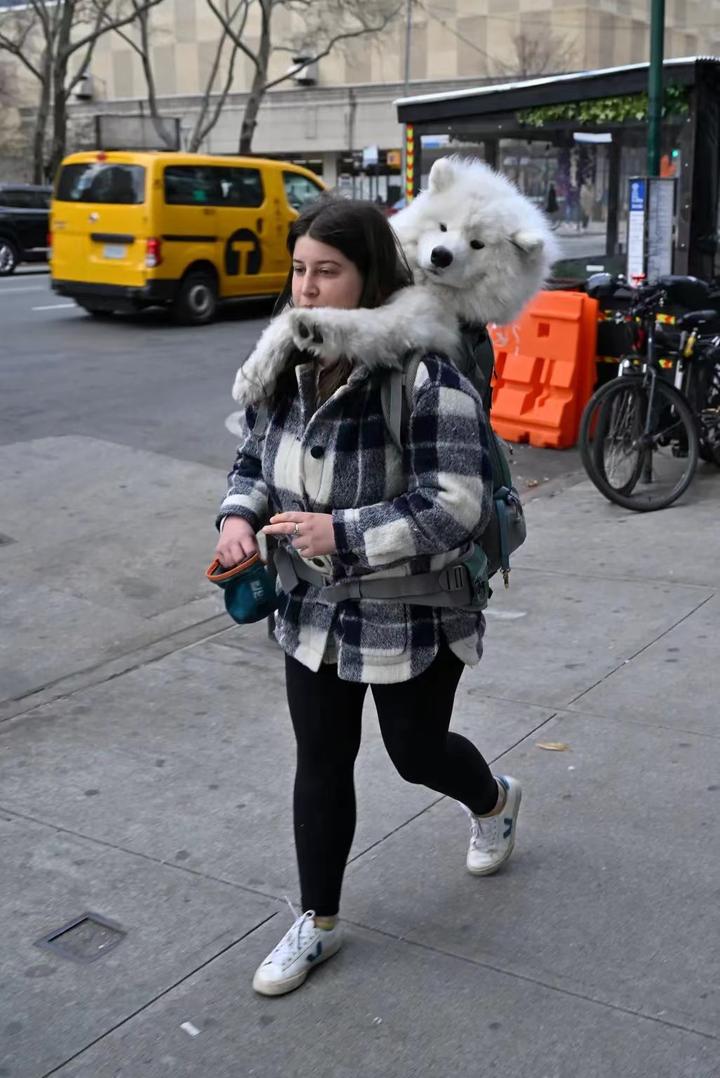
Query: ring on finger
296, 530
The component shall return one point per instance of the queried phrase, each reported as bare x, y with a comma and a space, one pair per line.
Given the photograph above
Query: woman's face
323, 276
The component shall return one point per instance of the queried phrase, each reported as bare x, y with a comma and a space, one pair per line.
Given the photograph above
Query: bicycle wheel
639, 442
609, 433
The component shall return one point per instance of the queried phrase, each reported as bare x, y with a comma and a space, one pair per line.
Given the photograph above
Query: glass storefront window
566, 179
436, 146
567, 175
569, 182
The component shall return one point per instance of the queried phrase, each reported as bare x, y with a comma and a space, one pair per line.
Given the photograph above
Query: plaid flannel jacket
393, 514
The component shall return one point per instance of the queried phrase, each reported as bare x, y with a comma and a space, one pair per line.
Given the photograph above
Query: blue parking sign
637, 195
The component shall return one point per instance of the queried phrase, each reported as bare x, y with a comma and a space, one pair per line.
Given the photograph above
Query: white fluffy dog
478, 249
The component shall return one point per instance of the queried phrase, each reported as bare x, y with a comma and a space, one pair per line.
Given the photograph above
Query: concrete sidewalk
145, 776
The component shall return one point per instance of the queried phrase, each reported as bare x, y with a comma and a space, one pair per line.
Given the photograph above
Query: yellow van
134, 230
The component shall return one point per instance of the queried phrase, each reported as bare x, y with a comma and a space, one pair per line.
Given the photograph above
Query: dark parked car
24, 214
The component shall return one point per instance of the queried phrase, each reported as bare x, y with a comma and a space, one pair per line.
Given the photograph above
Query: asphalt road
143, 381
139, 380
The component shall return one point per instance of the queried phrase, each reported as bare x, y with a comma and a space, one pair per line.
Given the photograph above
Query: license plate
114, 250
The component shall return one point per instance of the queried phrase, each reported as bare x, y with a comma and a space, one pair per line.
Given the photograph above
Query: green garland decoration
607, 110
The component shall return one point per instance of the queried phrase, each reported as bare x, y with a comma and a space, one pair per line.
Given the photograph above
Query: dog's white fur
466, 203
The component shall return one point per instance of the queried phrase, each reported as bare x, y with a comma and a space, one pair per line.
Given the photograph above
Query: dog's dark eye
443, 228
476, 245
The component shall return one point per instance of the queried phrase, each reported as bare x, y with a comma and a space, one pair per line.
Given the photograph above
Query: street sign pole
408, 47
655, 86
408, 43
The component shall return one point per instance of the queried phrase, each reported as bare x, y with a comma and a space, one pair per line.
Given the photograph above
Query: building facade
450, 39
343, 124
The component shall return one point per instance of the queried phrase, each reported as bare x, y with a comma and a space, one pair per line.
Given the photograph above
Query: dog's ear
441, 175
527, 242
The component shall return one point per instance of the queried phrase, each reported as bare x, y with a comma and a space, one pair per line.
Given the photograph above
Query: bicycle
641, 434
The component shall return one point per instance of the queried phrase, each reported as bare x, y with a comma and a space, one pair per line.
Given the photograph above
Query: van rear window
105, 183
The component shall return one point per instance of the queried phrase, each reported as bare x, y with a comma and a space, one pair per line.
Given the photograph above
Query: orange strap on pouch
219, 575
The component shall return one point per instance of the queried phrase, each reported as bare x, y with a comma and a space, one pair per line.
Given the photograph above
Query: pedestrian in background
587, 203
321, 474
552, 208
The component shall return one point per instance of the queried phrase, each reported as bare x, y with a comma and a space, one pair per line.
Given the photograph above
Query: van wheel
8, 258
196, 300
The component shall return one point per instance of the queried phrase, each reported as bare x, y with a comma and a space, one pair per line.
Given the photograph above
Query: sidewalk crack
573, 994
12, 813
635, 654
106, 670
159, 996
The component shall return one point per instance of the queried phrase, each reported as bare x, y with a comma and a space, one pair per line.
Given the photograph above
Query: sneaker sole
289, 984
506, 856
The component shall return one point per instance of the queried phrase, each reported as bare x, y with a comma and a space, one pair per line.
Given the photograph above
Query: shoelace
291, 942
484, 832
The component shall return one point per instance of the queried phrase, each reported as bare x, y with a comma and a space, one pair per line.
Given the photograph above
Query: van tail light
153, 252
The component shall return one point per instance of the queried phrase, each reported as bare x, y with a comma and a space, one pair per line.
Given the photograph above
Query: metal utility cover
85, 939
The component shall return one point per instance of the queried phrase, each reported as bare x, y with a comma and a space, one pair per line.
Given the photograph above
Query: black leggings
414, 719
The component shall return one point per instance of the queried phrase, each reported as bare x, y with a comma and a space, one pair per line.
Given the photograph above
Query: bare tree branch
347, 36
326, 24
235, 34
202, 130
539, 54
89, 50
104, 26
235, 13
17, 46
142, 49
41, 11
203, 126
45, 36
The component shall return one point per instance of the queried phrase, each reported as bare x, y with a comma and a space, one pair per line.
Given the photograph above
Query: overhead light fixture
587, 136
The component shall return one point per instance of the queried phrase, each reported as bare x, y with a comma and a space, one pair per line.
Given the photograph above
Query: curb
112, 668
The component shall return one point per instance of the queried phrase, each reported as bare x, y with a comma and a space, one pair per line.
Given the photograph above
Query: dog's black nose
441, 257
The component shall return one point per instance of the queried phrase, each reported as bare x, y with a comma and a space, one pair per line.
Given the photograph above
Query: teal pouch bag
249, 589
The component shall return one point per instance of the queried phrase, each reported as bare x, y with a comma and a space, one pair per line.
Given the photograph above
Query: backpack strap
462, 584
262, 420
396, 394
477, 360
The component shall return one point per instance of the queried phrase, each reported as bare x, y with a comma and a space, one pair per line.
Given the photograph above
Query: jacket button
317, 451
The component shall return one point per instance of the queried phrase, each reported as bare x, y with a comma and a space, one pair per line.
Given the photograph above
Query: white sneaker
303, 947
492, 837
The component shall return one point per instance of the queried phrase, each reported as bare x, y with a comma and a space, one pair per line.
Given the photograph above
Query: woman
319, 472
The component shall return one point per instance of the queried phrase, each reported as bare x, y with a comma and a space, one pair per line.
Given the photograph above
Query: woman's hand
236, 543
310, 533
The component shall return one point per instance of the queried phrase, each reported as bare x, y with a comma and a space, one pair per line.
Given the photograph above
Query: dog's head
472, 230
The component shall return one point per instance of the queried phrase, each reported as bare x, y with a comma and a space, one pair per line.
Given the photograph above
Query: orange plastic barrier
545, 369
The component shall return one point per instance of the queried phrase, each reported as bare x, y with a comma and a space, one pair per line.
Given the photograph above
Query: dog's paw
305, 330
316, 334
